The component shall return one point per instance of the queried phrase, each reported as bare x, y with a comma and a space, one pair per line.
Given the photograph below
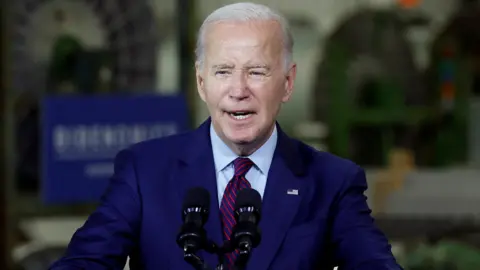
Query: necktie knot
241, 166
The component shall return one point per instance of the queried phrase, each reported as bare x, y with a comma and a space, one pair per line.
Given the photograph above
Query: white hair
245, 12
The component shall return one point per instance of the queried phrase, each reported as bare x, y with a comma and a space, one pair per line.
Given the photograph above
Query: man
315, 215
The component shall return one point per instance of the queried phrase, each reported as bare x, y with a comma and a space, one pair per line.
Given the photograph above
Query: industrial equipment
126, 29
452, 75
374, 98
368, 89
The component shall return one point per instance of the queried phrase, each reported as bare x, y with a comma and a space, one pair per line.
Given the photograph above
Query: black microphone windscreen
249, 197
197, 197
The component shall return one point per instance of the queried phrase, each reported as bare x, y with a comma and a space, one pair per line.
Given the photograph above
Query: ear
200, 80
289, 82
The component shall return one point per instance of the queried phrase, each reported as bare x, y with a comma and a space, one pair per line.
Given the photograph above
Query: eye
222, 72
257, 73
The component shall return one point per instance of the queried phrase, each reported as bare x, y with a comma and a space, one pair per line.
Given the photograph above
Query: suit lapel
279, 207
196, 168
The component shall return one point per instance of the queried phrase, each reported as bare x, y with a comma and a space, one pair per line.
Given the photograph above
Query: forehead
237, 41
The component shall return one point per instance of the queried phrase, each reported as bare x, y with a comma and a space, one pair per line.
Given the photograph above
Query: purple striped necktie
227, 206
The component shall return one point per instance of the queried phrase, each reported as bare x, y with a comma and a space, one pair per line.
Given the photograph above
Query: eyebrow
226, 66
222, 66
259, 66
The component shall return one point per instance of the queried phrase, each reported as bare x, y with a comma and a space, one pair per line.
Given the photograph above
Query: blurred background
392, 84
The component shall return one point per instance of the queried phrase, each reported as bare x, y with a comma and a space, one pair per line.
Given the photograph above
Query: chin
241, 137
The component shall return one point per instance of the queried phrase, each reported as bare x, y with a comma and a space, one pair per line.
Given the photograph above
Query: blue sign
82, 135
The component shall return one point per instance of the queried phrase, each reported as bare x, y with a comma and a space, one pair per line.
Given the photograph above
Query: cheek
271, 98
213, 92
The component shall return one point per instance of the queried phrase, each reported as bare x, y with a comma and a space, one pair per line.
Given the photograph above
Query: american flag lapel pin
292, 191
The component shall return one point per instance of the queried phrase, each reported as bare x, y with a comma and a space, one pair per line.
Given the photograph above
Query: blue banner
82, 135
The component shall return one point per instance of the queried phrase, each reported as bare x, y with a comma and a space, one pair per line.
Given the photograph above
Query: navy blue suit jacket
327, 224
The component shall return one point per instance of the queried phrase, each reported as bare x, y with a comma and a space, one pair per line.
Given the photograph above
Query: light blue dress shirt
223, 157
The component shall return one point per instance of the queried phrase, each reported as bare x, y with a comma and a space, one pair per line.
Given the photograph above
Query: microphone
246, 233
192, 236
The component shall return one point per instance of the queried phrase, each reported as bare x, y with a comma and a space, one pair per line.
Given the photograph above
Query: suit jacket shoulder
331, 161
328, 170
160, 147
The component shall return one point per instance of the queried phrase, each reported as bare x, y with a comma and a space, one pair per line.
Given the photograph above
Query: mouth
240, 115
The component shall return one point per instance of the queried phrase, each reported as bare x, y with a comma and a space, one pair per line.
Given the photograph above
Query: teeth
240, 116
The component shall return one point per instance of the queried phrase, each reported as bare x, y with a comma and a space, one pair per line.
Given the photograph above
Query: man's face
243, 79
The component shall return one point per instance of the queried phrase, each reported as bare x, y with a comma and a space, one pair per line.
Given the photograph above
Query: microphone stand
198, 263
243, 257
190, 256
213, 248
195, 261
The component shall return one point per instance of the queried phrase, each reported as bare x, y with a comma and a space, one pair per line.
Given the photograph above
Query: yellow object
400, 163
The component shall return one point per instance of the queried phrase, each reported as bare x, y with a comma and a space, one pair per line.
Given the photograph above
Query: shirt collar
223, 156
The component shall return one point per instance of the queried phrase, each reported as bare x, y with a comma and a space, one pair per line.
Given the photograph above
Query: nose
239, 88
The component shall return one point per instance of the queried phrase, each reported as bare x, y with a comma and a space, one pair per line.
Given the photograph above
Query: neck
246, 149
